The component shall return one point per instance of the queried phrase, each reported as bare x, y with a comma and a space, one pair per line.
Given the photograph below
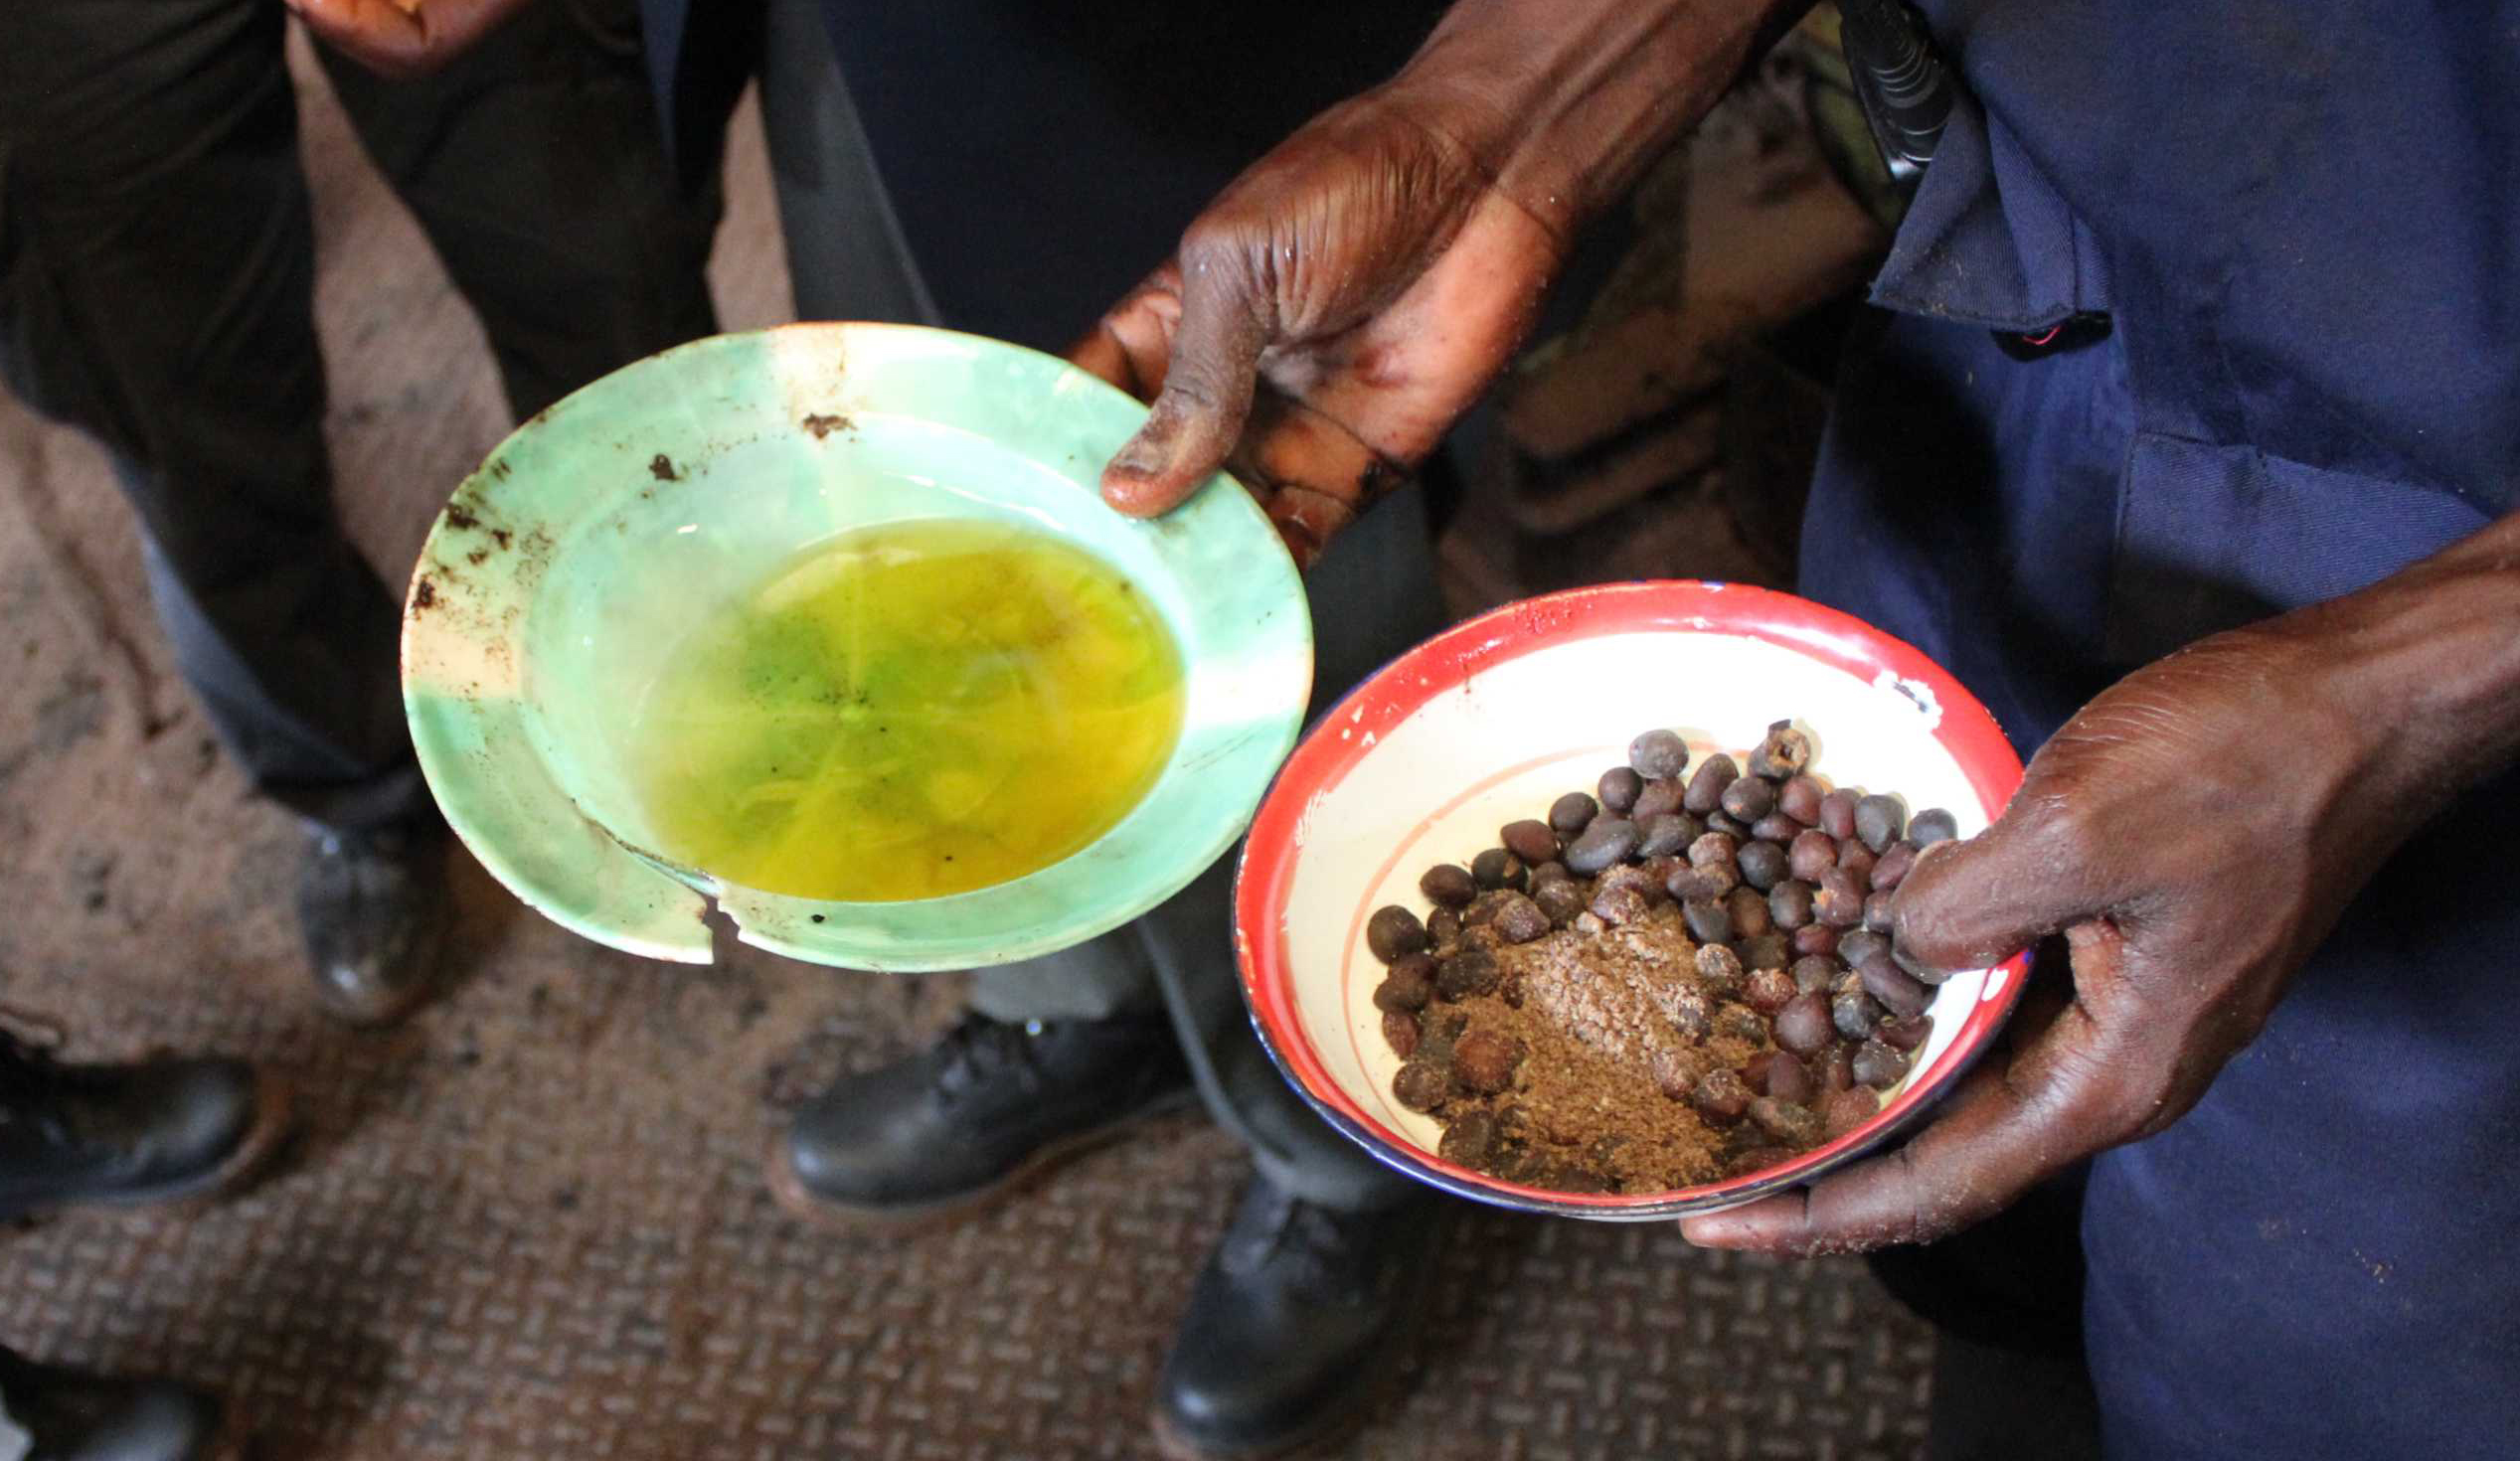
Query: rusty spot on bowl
662, 469
824, 425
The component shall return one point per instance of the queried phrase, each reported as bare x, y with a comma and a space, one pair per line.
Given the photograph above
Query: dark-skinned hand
2194, 833
1341, 303
1326, 318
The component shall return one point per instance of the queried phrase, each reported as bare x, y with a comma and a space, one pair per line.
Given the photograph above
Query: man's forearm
1566, 100
2429, 658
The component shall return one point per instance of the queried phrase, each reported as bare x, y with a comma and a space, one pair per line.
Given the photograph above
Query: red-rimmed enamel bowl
1492, 721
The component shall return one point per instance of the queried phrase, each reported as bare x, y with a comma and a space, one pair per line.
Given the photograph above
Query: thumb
1969, 905
1207, 393
2054, 1096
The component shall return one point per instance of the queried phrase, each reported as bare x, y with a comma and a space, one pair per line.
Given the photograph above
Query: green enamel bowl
566, 569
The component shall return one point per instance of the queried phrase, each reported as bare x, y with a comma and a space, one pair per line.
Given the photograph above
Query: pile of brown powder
1681, 981
1599, 1020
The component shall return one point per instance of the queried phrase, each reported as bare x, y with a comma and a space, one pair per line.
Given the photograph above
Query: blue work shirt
2282, 238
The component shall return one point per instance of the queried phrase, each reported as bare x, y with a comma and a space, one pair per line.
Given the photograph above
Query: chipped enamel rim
1461, 734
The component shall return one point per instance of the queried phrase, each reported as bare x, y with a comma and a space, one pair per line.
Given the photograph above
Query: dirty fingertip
1136, 492
1134, 482
1717, 1231
1738, 1228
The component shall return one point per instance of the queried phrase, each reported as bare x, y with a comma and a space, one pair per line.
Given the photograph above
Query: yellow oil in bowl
905, 712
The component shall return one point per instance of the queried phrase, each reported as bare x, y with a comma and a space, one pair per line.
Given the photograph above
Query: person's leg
873, 1142
1029, 1075
1042, 164
156, 290
1293, 1321
1102, 978
1373, 595
537, 166
158, 295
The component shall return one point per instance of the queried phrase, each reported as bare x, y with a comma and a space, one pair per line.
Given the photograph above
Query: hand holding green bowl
565, 573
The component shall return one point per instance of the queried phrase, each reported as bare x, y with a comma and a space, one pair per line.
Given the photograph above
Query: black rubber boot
373, 909
55, 1415
1295, 1326
940, 1133
125, 1135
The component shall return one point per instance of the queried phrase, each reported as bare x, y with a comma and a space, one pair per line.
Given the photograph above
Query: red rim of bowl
1322, 761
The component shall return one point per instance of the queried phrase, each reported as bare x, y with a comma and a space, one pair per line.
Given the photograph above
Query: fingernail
1140, 458
1152, 450
1709, 1233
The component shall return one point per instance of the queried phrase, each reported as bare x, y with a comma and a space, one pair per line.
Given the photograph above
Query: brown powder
1618, 991
1572, 1033
1596, 1014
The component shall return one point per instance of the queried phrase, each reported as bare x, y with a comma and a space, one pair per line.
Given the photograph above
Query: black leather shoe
1293, 1327
371, 906
125, 1135
942, 1133
64, 1415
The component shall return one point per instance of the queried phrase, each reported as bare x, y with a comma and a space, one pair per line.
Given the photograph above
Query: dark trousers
156, 291
1373, 595
846, 257
1040, 158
